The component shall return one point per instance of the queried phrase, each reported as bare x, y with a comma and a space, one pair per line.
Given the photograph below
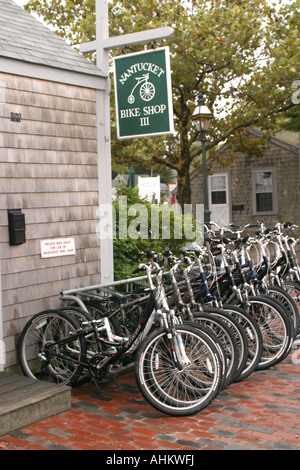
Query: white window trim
226, 174
274, 192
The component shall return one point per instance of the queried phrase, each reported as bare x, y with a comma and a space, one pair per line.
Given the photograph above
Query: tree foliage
243, 56
140, 225
290, 120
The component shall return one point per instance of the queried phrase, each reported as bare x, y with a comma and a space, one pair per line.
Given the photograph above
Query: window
264, 192
218, 189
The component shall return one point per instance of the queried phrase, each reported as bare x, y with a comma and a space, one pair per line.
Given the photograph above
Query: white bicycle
147, 90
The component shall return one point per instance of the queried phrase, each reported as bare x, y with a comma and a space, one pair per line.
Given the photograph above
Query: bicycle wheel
288, 303
173, 390
147, 91
212, 337
82, 317
293, 289
239, 333
275, 327
226, 339
253, 335
49, 348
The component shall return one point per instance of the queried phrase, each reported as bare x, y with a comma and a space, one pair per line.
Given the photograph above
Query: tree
243, 57
290, 120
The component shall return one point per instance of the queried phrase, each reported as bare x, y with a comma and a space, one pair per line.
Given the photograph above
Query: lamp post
202, 117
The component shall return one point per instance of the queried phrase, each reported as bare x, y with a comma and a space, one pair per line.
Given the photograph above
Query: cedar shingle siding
48, 167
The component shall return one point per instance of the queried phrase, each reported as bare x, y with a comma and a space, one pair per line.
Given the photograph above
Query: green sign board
143, 94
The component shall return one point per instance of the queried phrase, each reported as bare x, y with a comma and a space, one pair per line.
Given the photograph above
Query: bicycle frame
156, 309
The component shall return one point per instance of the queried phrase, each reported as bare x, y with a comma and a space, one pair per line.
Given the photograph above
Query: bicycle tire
275, 327
288, 303
293, 289
227, 341
212, 337
36, 354
254, 339
82, 317
170, 391
240, 336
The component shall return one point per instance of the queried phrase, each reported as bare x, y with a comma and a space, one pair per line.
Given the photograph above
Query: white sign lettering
141, 67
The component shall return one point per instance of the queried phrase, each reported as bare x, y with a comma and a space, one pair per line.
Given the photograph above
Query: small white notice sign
57, 247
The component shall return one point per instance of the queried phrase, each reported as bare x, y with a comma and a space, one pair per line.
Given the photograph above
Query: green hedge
140, 225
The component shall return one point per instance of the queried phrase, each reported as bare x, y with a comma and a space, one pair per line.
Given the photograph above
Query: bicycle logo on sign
147, 89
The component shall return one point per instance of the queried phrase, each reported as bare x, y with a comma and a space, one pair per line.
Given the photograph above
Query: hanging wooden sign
143, 94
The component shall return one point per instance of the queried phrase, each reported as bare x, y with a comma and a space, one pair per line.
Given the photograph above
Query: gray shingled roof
24, 38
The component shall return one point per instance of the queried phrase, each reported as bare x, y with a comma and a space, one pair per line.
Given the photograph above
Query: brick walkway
260, 413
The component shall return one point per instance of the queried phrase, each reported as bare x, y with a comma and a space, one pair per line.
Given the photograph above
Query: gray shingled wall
48, 168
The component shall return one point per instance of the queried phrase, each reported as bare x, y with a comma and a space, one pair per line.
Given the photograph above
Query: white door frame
215, 207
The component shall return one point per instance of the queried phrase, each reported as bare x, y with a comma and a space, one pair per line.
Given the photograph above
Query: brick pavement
260, 413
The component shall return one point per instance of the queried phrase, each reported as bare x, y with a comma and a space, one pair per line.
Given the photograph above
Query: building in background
252, 189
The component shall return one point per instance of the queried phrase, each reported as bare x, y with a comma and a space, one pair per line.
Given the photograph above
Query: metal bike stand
96, 290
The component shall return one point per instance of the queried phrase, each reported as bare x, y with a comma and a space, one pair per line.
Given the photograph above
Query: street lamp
202, 117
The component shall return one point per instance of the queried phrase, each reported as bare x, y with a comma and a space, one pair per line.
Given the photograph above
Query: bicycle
262, 280
231, 287
178, 368
246, 331
225, 335
147, 89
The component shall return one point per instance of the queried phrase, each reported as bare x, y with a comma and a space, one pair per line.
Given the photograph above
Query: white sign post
102, 46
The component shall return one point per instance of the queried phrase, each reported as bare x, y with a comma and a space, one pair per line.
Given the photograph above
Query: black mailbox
16, 226
238, 207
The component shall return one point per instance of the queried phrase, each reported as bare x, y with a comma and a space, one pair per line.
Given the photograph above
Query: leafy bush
140, 225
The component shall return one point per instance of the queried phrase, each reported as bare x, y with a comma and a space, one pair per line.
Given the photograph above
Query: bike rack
97, 291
